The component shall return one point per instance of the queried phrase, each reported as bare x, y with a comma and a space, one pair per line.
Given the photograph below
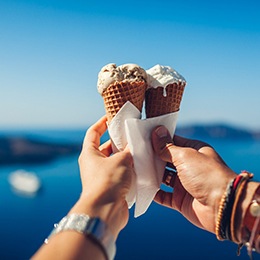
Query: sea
159, 234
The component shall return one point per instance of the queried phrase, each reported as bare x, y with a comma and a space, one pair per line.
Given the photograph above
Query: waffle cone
156, 104
117, 94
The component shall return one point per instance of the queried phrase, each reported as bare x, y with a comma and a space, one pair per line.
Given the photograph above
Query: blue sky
52, 51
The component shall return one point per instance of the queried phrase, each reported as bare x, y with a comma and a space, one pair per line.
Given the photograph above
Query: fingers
106, 148
174, 199
160, 137
162, 144
169, 177
95, 132
126, 156
165, 199
200, 146
185, 142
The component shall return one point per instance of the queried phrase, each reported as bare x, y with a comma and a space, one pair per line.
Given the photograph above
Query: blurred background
50, 56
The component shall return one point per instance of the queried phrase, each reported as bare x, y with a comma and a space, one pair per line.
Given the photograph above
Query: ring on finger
169, 177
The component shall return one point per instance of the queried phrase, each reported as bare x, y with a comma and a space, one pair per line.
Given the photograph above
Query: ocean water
161, 233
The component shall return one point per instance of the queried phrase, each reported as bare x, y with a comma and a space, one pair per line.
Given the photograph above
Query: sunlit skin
199, 184
105, 181
201, 179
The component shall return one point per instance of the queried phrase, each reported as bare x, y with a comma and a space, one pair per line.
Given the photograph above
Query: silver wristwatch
94, 228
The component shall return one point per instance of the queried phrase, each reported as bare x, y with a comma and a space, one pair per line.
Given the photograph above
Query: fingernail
161, 131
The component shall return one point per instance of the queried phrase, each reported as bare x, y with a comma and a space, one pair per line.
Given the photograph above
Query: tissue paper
128, 128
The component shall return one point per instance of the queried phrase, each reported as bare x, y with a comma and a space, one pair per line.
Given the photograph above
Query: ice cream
165, 90
117, 85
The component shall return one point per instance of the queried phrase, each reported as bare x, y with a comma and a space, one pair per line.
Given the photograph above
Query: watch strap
94, 228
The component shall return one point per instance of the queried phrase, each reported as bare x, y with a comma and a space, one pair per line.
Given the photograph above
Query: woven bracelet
224, 211
242, 180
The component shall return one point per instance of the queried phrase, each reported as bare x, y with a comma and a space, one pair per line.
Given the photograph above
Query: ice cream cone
165, 90
157, 103
117, 85
117, 94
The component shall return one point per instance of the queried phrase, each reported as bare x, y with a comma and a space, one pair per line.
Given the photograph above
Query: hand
200, 181
105, 179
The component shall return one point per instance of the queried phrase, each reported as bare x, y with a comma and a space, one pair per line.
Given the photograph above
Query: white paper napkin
116, 128
127, 128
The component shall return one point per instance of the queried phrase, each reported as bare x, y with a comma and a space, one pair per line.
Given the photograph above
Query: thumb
162, 143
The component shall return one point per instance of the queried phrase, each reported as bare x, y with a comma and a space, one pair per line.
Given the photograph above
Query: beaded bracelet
226, 212
226, 225
223, 212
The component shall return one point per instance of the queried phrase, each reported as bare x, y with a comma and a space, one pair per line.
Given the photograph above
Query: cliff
25, 150
21, 150
217, 131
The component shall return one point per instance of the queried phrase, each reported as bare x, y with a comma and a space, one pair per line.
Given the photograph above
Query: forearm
72, 244
110, 212
92, 225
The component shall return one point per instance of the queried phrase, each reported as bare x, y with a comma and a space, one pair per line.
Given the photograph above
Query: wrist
219, 193
93, 229
108, 213
239, 213
230, 209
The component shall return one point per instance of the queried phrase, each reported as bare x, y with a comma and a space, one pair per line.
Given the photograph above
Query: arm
105, 182
200, 184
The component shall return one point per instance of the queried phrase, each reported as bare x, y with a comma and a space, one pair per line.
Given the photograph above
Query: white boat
25, 182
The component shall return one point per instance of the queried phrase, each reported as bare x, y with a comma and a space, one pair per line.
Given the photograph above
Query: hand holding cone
162, 94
